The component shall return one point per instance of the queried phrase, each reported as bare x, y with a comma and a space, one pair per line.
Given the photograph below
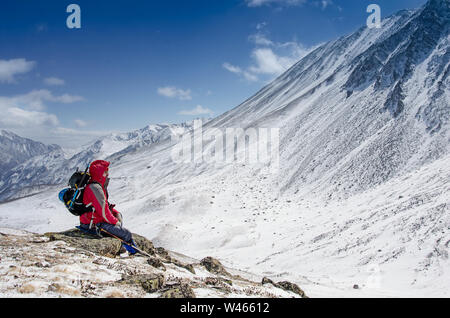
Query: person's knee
127, 235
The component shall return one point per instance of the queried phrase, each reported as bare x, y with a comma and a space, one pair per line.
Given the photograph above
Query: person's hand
118, 224
119, 217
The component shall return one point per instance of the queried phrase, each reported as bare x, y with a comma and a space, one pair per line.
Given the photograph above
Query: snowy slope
362, 193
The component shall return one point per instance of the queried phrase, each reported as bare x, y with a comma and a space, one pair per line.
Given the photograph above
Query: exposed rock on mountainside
73, 264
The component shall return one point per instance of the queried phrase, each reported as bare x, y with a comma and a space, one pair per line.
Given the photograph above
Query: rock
219, 283
188, 267
165, 255
151, 283
162, 252
355, 286
109, 247
156, 263
266, 280
144, 244
292, 287
179, 291
105, 246
214, 266
288, 286
214, 281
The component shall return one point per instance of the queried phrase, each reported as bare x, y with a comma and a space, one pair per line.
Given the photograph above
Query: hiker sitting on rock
105, 216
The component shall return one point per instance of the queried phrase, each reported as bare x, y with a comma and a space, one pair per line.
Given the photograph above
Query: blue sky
133, 63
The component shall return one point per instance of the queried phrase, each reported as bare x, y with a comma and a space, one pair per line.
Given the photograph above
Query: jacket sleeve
96, 196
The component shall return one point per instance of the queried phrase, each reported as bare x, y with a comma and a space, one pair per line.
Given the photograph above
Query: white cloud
269, 58
27, 110
260, 39
237, 70
80, 123
259, 3
199, 110
261, 25
68, 99
323, 4
277, 59
173, 92
18, 117
66, 137
267, 62
54, 81
232, 68
10, 68
326, 3
35, 100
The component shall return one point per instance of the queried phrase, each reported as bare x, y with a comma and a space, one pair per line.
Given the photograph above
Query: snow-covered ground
390, 241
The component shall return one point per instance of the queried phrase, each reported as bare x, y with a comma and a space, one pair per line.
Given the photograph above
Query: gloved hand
118, 224
119, 217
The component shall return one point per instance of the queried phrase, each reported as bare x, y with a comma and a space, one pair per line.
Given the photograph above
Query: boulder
151, 283
285, 285
156, 263
106, 246
178, 291
214, 266
109, 247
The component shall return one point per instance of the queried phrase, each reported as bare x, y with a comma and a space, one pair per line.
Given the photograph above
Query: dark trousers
120, 232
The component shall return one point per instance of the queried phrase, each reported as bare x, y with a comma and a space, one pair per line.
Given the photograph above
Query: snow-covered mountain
41, 166
362, 109
15, 150
362, 192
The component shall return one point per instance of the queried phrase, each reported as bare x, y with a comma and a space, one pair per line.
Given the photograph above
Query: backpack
72, 197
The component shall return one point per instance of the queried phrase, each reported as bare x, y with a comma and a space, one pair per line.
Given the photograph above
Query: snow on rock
72, 264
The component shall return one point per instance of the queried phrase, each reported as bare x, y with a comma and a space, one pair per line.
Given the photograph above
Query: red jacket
96, 194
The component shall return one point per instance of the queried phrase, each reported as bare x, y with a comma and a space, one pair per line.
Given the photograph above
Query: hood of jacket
97, 170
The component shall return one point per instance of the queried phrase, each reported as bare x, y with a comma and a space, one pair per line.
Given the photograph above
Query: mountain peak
441, 7
7, 134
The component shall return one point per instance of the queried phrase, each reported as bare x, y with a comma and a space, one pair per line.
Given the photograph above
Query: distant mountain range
29, 166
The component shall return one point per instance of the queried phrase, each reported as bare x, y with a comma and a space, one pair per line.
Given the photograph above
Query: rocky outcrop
179, 291
288, 286
151, 283
74, 264
214, 266
106, 246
